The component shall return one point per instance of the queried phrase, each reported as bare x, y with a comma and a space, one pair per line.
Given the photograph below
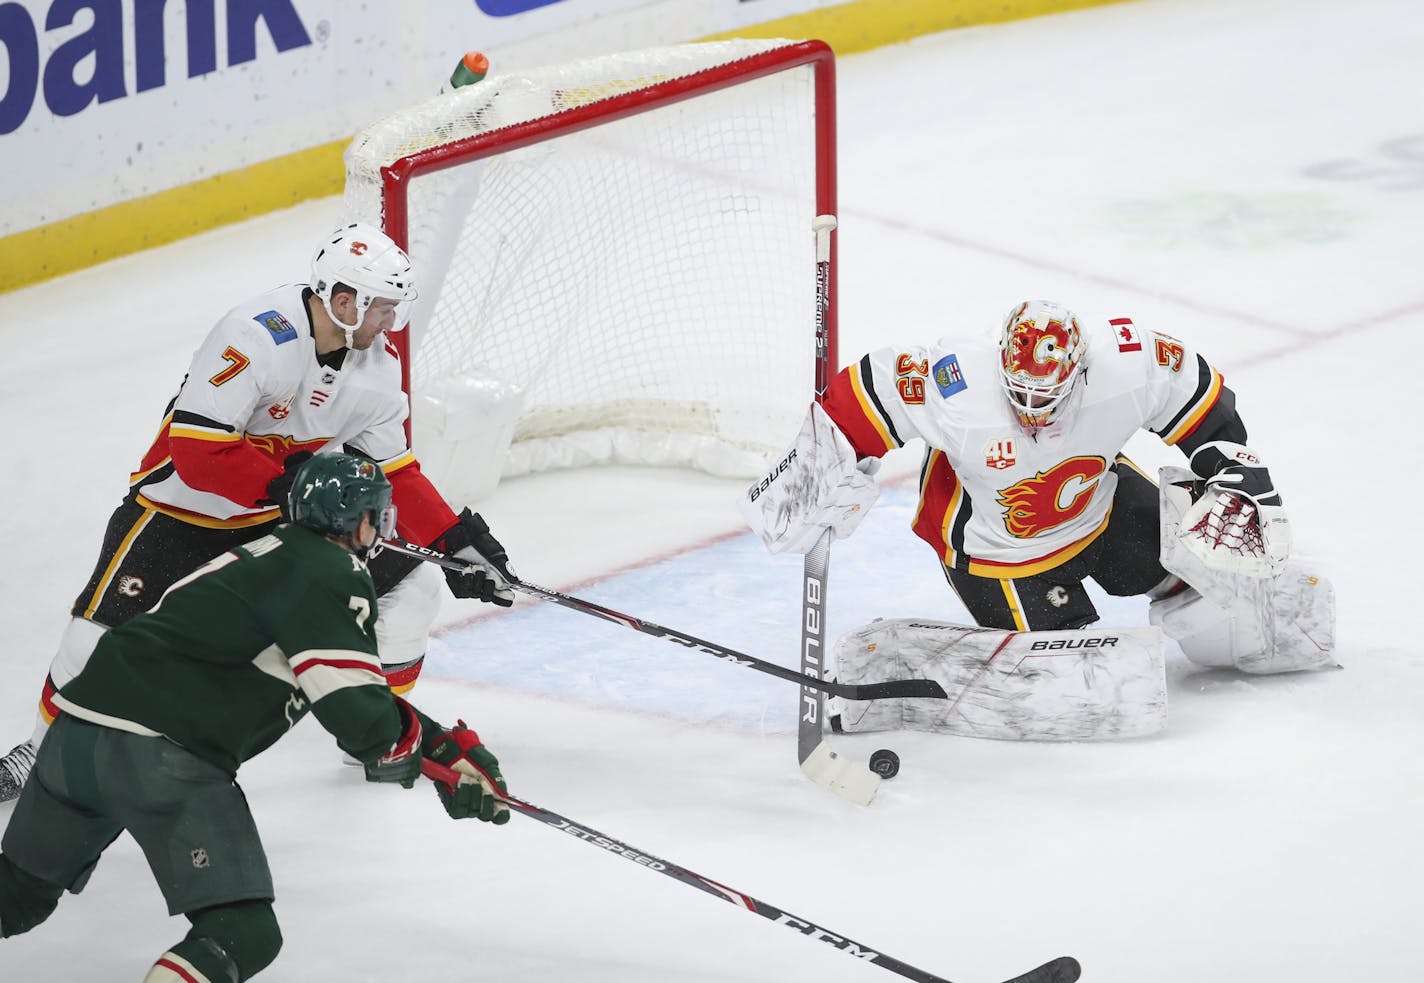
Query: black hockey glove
488, 576
279, 489
1231, 467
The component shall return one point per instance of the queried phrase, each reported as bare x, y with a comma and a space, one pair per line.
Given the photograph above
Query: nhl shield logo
200, 858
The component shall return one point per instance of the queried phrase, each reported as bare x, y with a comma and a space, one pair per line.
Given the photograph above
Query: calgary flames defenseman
1025, 492
301, 369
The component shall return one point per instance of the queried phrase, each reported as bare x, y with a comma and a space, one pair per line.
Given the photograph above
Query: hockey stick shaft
851, 780
1061, 970
891, 689
813, 617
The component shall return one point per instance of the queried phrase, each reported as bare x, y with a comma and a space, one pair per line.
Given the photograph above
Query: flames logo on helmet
1041, 350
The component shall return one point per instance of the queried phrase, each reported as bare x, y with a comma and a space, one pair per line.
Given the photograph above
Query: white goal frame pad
1086, 684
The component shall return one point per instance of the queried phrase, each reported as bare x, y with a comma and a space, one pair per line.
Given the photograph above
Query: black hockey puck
885, 763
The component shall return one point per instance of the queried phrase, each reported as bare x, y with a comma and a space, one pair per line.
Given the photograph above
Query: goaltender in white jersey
1007, 501
1024, 491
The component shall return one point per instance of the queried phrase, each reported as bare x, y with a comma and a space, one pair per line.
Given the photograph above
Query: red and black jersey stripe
1210, 400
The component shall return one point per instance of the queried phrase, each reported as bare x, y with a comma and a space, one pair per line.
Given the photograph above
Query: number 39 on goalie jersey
994, 500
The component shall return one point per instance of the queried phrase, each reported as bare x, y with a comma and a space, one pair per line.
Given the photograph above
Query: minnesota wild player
176, 699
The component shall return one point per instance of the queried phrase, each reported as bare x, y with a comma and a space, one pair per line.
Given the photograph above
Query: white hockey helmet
1041, 350
365, 259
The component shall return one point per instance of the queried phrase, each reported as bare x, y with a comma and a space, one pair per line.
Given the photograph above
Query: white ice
1245, 174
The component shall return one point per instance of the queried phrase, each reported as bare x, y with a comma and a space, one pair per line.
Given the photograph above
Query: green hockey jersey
238, 651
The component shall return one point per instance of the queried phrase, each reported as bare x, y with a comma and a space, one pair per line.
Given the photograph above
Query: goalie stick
891, 689
1064, 969
849, 779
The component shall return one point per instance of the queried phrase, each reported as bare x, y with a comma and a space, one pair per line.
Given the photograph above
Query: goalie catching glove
1238, 524
477, 793
816, 485
488, 576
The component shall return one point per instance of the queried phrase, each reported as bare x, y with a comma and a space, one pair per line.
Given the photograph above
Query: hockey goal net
614, 256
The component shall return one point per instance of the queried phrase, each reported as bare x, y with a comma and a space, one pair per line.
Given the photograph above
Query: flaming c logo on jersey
1037, 504
280, 447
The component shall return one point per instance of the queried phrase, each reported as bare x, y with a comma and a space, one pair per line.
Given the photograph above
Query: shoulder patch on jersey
1125, 334
281, 329
948, 377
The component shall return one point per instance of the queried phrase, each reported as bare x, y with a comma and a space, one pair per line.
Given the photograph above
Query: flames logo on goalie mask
1036, 504
1040, 351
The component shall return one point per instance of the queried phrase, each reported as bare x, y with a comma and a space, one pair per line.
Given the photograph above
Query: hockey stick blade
1061, 970
849, 779
1064, 969
890, 689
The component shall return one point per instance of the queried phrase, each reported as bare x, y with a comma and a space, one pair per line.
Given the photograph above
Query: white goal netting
597, 287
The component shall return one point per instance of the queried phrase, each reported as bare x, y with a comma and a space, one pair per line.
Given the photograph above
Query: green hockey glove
476, 794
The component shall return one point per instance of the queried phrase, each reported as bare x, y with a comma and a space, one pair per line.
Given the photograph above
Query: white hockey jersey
256, 392
994, 500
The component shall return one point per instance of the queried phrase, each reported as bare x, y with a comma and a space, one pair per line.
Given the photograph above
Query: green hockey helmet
331, 492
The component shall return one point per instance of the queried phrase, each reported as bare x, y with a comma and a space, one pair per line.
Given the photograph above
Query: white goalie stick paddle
849, 779
890, 689
1064, 969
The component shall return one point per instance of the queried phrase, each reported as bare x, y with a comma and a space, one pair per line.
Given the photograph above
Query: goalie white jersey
256, 384
994, 500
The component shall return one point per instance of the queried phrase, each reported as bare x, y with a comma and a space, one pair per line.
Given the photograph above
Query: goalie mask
1040, 361
365, 259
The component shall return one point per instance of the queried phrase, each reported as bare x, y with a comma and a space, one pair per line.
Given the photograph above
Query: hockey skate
15, 769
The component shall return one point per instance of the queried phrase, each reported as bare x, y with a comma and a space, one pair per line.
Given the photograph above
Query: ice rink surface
1247, 175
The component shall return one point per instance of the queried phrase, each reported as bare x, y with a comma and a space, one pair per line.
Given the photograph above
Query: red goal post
615, 258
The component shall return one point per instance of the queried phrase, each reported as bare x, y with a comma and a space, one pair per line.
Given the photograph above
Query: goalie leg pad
1075, 685
1207, 634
